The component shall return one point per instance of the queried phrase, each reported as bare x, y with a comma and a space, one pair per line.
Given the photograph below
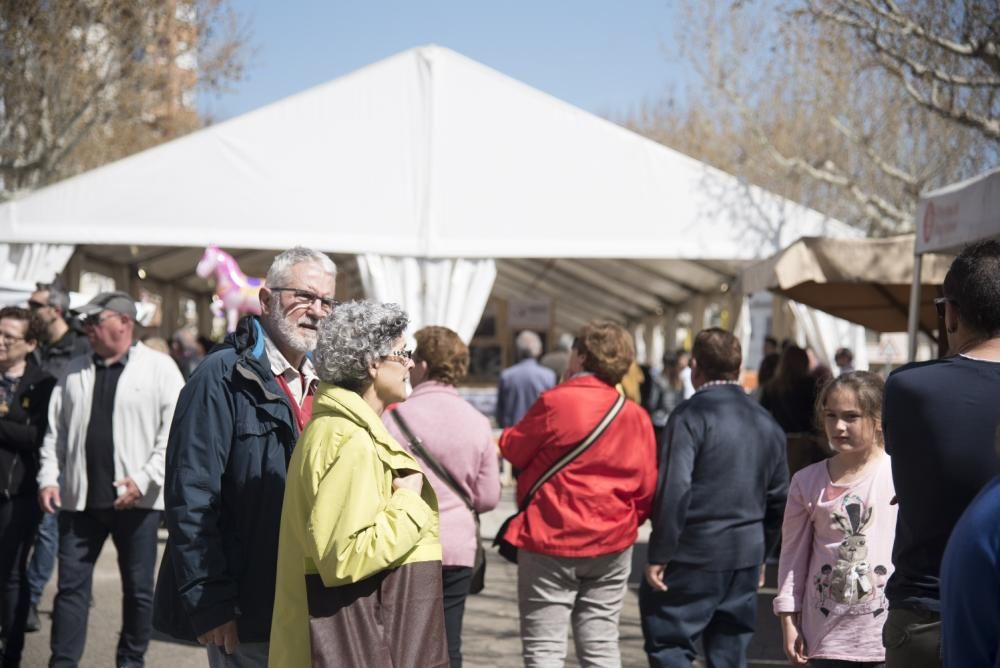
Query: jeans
246, 655
720, 607
456, 583
18, 521
81, 537
552, 592
912, 638
43, 557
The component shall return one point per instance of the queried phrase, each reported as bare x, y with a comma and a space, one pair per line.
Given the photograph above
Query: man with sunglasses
939, 419
102, 467
237, 421
49, 304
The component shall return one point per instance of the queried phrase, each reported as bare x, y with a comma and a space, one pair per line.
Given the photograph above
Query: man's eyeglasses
10, 338
34, 306
939, 305
404, 355
306, 298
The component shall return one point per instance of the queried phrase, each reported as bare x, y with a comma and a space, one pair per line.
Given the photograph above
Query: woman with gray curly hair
359, 557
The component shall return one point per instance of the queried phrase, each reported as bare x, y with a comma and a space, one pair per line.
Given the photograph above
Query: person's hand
763, 576
654, 576
224, 636
413, 482
128, 498
794, 643
48, 499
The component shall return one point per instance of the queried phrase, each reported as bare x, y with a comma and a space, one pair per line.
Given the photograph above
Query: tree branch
875, 205
907, 26
911, 182
989, 127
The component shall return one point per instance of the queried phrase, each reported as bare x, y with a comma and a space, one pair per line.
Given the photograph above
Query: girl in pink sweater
837, 535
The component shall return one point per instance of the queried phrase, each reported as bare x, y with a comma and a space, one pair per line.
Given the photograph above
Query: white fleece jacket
144, 408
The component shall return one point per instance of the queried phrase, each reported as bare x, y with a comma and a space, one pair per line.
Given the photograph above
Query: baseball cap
119, 302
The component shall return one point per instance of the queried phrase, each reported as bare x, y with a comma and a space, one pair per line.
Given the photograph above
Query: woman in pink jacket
459, 438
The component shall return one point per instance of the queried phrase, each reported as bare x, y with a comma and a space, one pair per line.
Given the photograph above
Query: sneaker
32, 624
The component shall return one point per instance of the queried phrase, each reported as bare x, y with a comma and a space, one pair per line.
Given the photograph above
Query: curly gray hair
353, 337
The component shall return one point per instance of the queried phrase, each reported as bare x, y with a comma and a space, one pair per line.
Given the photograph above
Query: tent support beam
658, 275
914, 316
558, 290
639, 274
704, 264
629, 267
582, 274
552, 272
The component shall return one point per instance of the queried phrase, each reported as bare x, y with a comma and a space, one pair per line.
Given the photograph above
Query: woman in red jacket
575, 537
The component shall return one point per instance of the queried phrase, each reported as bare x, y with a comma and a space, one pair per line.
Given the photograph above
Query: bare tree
83, 83
793, 103
944, 54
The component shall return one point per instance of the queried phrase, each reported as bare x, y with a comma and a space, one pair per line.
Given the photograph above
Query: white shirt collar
713, 383
280, 366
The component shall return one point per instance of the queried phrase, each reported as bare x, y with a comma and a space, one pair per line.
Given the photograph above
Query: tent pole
914, 315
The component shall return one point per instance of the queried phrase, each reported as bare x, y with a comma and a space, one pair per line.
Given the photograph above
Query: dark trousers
81, 537
18, 521
912, 638
43, 557
719, 607
456, 583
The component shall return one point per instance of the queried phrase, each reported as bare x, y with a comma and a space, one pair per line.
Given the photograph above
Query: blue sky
605, 57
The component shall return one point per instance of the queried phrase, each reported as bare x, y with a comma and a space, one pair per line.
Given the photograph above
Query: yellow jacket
632, 382
341, 517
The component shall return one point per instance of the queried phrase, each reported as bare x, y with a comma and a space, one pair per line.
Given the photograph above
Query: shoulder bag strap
440, 471
575, 451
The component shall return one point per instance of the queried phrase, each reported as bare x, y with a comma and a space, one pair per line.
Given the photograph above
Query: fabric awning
866, 281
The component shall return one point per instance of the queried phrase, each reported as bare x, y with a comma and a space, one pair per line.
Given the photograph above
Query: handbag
507, 549
479, 566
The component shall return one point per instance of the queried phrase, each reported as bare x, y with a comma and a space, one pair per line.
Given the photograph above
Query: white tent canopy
949, 218
428, 155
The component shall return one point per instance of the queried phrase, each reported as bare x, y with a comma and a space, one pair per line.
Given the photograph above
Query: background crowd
319, 513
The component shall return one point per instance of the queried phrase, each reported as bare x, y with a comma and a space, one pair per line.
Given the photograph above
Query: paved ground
491, 628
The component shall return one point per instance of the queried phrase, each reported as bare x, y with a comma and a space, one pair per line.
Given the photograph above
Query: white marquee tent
429, 166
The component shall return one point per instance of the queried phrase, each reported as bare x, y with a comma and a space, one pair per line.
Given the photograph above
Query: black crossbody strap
576, 451
440, 471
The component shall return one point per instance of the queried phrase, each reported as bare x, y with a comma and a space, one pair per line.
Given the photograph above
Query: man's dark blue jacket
940, 420
722, 485
227, 458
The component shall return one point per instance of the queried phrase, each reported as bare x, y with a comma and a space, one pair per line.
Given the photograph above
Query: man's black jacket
723, 481
53, 357
227, 458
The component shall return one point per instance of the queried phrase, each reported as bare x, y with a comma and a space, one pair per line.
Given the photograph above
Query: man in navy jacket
939, 419
236, 423
723, 478
520, 385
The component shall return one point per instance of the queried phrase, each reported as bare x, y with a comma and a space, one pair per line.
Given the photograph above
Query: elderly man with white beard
236, 423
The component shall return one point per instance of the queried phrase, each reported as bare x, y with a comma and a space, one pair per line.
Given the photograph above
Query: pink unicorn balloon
239, 293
